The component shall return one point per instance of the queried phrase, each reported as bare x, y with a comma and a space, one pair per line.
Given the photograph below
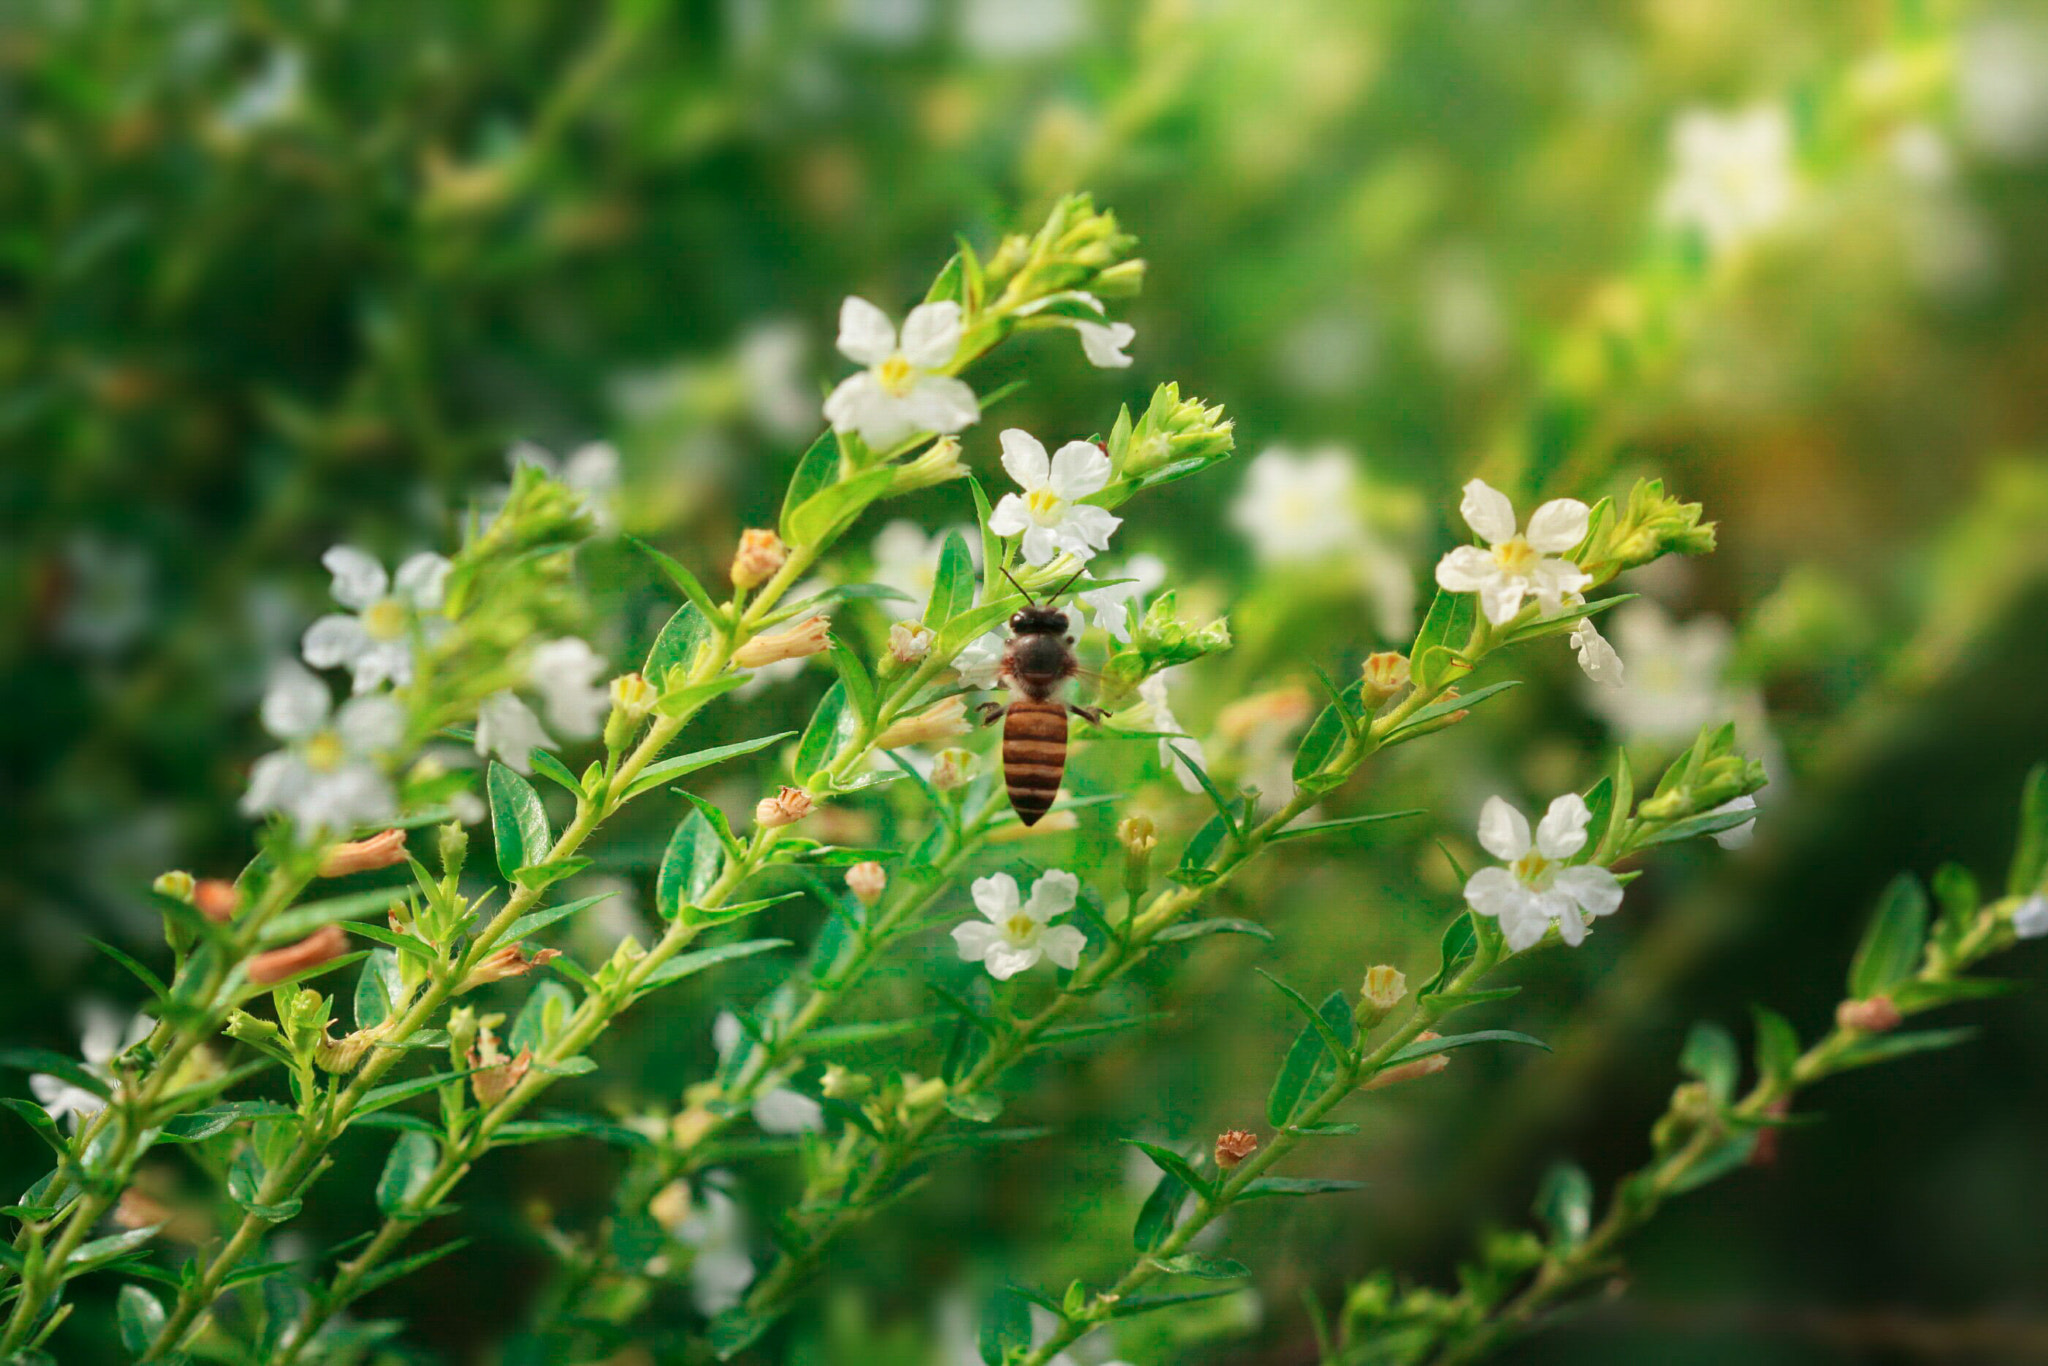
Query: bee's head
1038, 621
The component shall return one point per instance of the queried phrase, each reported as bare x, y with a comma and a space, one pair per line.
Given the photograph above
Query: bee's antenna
1018, 586
1068, 584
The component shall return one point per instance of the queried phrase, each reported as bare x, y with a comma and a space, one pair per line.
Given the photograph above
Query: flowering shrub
742, 916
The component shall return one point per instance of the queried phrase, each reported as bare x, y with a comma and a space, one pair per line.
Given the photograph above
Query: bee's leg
991, 712
1092, 715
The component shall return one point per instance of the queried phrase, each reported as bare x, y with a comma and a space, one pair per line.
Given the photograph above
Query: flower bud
923, 1095
866, 881
1877, 1015
342, 1056
1384, 988
362, 856
273, 966
1121, 281
760, 555
940, 721
176, 884
954, 768
454, 848
1139, 837
807, 637
509, 961
2030, 917
670, 1205
1234, 1146
496, 1074
216, 899
909, 642
632, 696
936, 464
1407, 1071
786, 807
1386, 673
841, 1084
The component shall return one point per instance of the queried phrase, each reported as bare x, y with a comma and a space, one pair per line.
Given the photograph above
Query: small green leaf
1005, 1326
1132, 1305
1327, 731
689, 866
536, 876
1460, 942
977, 1108
1266, 1187
1329, 1030
1777, 1044
1167, 1160
654, 775
554, 770
138, 1318
819, 519
1200, 929
406, 1172
1297, 832
518, 822
533, 922
1891, 947
831, 727
1161, 1209
688, 964
377, 989
1564, 1204
1216, 798
682, 578
952, 585
853, 676
1448, 627
676, 647
2030, 847
39, 1120
817, 470
1443, 708
1885, 1047
1710, 1055
57, 1065
1422, 1048
380, 1097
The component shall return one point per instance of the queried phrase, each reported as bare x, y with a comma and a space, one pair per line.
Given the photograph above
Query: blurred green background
277, 275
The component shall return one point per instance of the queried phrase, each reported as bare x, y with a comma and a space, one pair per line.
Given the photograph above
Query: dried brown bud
761, 553
808, 637
1874, 1016
1234, 1146
273, 966
509, 961
866, 881
496, 1074
216, 899
786, 807
362, 856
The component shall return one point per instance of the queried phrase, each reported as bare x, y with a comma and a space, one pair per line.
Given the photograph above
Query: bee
1038, 659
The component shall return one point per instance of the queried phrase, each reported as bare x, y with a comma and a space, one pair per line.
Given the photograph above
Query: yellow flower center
1534, 870
324, 752
385, 619
895, 374
1516, 556
1044, 504
1020, 926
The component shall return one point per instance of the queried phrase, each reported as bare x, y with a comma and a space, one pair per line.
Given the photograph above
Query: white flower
1675, 685
778, 1110
1739, 836
909, 641
2002, 85
1115, 605
1154, 712
1015, 934
1536, 888
571, 680
1102, 342
1733, 178
1596, 656
980, 663
2030, 917
903, 391
1304, 511
1047, 514
507, 727
328, 779
722, 1269
770, 357
592, 470
1516, 565
103, 1040
375, 644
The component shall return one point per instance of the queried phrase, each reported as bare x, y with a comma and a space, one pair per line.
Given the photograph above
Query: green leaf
1692, 827
97, 1253
1955, 891
1885, 1047
689, 866
1297, 832
377, 989
391, 1093
1333, 1022
2030, 848
1203, 1268
654, 775
952, 585
141, 973
991, 544
301, 921
1198, 929
406, 1172
1161, 1209
1460, 942
1323, 1130
1422, 1048
554, 770
533, 922
546, 1009
405, 1266
138, 1318
1710, 1054
58, 1065
1216, 799
815, 472
1564, 1204
39, 1120
682, 578
1327, 731
536, 876
1448, 627
1167, 1160
831, 726
198, 1124
1005, 1326
1891, 947
1436, 710
1132, 1305
980, 1108
569, 1125
687, 964
518, 822
1777, 1044
1266, 1187
853, 676
819, 519
392, 939
676, 646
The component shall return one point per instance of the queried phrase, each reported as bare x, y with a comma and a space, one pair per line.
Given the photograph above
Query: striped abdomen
1034, 755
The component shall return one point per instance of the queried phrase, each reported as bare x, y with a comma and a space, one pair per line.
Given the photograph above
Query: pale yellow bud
937, 464
909, 642
954, 768
761, 553
841, 1084
176, 884
1386, 673
1384, 987
807, 637
939, 721
365, 855
866, 881
670, 1205
632, 696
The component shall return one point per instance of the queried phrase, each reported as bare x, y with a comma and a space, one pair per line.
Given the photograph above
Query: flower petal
1024, 458
370, 725
1739, 836
296, 702
358, 579
1005, 960
1040, 546
1556, 584
1468, 569
1562, 831
1501, 599
1598, 658
996, 896
851, 400
1087, 529
334, 640
1558, 525
1487, 511
1592, 888
940, 403
1063, 944
423, 580
726, 1034
783, 1111
976, 938
1011, 516
1104, 344
865, 333
931, 334
1495, 892
1079, 468
1571, 926
1524, 928
1503, 831
1052, 895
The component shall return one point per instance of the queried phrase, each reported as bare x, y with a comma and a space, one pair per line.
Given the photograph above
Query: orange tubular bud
216, 899
274, 966
866, 881
761, 553
940, 721
1386, 673
1408, 1071
1234, 1146
1875, 1016
363, 856
807, 637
